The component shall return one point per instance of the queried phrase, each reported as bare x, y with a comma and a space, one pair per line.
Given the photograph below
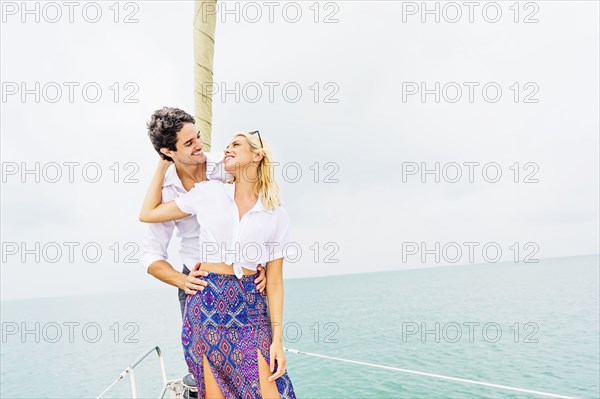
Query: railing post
130, 370
133, 383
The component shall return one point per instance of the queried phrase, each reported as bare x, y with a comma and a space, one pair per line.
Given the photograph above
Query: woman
233, 341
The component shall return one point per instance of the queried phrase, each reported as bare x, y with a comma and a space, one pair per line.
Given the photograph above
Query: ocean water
533, 326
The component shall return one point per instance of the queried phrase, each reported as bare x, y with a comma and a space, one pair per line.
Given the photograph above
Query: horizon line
300, 278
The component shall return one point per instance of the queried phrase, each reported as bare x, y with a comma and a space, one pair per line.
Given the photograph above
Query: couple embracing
226, 209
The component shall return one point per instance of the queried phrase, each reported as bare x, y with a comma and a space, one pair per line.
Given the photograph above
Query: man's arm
156, 243
155, 255
162, 270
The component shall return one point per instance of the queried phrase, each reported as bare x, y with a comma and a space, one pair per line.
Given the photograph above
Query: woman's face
238, 154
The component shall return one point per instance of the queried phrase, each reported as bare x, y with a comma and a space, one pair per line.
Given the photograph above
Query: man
175, 137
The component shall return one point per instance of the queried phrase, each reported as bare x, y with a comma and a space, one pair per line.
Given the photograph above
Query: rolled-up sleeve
189, 201
282, 245
156, 242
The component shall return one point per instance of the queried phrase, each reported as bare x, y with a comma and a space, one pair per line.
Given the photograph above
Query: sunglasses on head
256, 132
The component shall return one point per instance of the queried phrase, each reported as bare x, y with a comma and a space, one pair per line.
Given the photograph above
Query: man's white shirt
158, 235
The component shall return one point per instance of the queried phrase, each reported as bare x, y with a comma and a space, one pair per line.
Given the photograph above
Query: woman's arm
153, 210
275, 305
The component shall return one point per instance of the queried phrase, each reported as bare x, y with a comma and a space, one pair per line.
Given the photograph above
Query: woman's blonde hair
265, 186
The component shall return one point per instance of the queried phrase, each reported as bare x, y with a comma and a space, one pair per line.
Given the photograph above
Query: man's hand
192, 284
261, 280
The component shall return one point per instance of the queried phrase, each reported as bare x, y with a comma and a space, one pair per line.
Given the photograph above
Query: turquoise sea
533, 326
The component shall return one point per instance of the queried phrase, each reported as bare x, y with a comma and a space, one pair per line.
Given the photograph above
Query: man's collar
213, 160
171, 177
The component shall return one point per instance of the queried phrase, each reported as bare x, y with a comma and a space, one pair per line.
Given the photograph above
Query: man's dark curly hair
163, 127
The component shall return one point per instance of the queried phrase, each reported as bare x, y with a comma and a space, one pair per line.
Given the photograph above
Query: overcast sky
360, 121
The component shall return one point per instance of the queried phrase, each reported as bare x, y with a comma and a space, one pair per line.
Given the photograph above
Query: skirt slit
228, 322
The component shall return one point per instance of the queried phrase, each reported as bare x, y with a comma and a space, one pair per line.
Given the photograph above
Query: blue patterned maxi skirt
228, 322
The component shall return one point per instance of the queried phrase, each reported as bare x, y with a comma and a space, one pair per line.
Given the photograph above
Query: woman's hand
164, 164
153, 210
277, 353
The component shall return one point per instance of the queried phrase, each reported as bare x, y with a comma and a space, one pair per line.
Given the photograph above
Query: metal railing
166, 385
130, 370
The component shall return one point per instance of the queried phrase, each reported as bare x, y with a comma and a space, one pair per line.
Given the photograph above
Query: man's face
189, 146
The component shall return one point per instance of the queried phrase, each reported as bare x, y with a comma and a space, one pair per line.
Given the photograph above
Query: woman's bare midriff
222, 268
